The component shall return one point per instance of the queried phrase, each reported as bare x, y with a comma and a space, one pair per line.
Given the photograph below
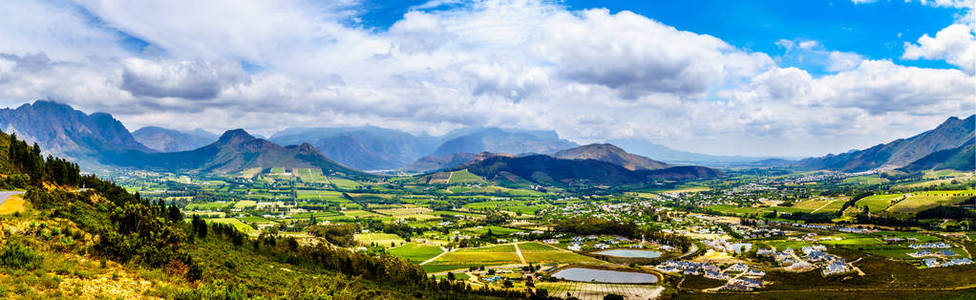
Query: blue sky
787, 78
874, 30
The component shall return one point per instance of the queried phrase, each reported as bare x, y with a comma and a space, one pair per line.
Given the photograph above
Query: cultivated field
596, 291
474, 257
380, 239
926, 200
416, 253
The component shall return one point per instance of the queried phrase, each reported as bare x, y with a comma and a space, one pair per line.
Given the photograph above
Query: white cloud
955, 44
592, 75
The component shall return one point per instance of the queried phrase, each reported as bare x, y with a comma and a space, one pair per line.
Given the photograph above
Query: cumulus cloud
592, 75
955, 44
196, 80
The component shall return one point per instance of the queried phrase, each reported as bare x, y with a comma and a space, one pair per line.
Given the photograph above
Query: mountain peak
612, 154
239, 135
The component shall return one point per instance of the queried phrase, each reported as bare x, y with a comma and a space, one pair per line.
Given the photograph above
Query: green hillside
103, 242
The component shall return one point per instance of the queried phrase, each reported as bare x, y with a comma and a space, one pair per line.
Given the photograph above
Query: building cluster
826, 227
740, 277
939, 245
812, 257
935, 263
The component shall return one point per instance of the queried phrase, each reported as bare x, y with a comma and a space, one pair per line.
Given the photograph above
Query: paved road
6, 194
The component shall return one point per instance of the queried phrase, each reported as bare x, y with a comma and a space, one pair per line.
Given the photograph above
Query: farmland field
474, 257
416, 253
877, 203
595, 291
463, 176
925, 200
380, 239
537, 253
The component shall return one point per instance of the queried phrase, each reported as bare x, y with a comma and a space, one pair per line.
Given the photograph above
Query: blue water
630, 253
605, 276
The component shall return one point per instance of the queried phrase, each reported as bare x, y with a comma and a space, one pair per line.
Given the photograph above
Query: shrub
17, 256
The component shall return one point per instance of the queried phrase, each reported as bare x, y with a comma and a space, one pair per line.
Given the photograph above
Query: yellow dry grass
13, 204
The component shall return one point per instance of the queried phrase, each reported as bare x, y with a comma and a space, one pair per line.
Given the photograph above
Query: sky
755, 78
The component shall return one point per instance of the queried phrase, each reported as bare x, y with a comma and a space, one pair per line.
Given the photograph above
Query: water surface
630, 253
605, 276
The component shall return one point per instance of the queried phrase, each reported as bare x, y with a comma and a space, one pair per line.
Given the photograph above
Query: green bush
18, 256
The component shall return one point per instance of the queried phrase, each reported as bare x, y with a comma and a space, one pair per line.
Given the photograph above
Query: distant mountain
547, 170
951, 134
169, 140
962, 158
365, 148
665, 154
432, 163
64, 131
611, 154
234, 151
498, 140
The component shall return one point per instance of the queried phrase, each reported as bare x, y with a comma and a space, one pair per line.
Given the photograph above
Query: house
602, 246
930, 262
960, 261
765, 252
575, 247
947, 253
753, 272
835, 267
738, 268
808, 249
716, 275
920, 253
752, 283
551, 241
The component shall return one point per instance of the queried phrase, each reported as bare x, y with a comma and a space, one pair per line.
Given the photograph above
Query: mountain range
234, 151
364, 148
169, 140
953, 134
100, 140
374, 148
548, 170
64, 131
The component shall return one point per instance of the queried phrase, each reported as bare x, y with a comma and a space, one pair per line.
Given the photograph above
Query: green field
926, 200
537, 253
865, 180
208, 205
380, 239
820, 205
245, 204
463, 177
474, 257
236, 223
877, 203
415, 253
344, 183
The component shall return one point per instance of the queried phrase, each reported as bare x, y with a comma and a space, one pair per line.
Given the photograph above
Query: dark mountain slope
611, 154
962, 158
950, 134
547, 170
